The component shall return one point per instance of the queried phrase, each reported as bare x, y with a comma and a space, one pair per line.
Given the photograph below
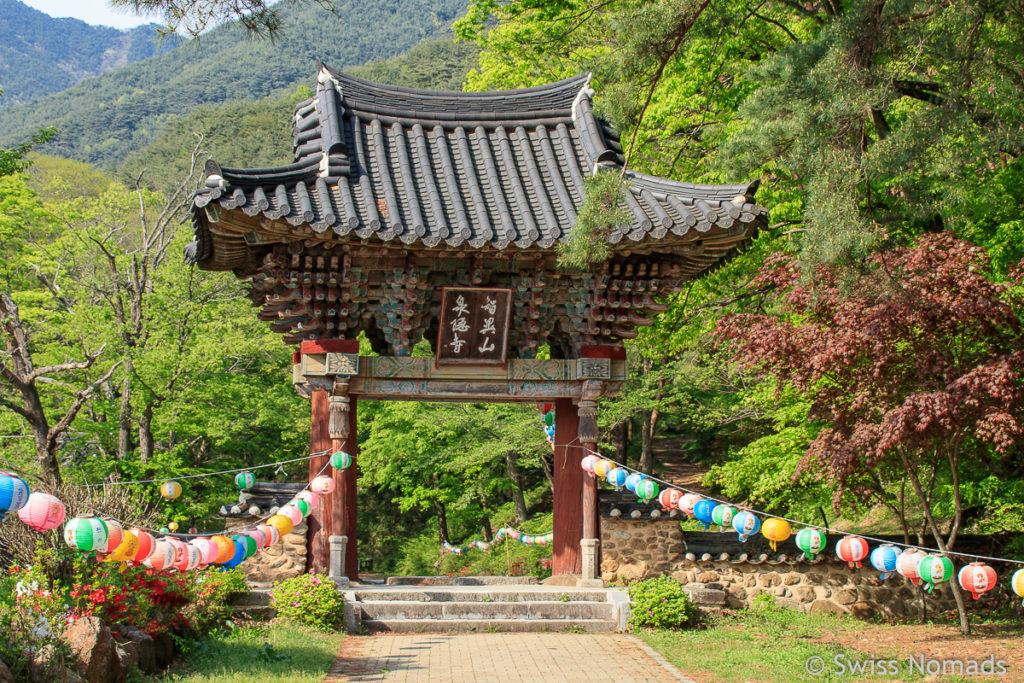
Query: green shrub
662, 603
309, 599
212, 591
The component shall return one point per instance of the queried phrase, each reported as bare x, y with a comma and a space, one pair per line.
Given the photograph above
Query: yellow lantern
173, 526
776, 531
170, 490
126, 550
602, 468
281, 523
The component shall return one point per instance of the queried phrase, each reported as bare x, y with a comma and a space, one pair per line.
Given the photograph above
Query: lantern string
826, 529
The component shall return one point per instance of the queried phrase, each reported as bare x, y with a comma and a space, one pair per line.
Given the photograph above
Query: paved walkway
500, 658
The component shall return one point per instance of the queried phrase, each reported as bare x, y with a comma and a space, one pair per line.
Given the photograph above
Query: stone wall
282, 560
632, 550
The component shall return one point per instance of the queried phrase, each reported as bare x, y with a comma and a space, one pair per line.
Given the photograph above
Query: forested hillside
40, 55
102, 120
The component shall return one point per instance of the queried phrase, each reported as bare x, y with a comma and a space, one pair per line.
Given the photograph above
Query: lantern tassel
773, 545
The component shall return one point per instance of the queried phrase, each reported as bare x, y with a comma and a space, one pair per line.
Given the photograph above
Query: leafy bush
212, 591
309, 599
662, 603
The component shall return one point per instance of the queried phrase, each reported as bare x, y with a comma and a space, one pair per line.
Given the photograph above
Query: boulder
138, 647
94, 650
863, 610
163, 646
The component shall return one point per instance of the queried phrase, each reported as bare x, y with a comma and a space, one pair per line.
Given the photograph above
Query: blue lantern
617, 477
237, 558
634, 479
745, 524
703, 511
883, 558
14, 493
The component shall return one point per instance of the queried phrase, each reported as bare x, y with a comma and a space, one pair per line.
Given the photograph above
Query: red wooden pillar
317, 548
568, 493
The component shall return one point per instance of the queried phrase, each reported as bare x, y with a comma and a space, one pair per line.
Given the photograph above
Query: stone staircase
483, 604
255, 604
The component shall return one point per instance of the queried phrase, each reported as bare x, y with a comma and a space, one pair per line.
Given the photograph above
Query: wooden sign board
474, 326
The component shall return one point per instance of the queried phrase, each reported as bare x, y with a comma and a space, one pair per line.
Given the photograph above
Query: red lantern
669, 498
162, 557
977, 578
146, 545
115, 534
852, 550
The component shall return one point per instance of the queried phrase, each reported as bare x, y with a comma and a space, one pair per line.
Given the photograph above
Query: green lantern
248, 544
722, 515
245, 480
86, 534
549, 418
341, 460
646, 490
934, 570
811, 541
302, 505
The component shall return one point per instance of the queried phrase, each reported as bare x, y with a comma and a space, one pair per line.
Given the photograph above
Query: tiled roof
499, 169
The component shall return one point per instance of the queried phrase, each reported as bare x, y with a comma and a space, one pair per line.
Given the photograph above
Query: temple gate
412, 214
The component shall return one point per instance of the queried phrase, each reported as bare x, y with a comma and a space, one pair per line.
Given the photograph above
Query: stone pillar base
336, 571
588, 547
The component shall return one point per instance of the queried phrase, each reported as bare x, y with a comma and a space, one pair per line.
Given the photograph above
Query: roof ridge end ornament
586, 91
214, 175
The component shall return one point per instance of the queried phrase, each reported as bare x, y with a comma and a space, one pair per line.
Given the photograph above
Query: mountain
40, 55
102, 119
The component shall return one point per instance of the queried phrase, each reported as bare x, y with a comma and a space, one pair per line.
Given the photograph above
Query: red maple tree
914, 360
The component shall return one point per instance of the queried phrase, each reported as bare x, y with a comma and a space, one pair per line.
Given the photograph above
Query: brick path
501, 658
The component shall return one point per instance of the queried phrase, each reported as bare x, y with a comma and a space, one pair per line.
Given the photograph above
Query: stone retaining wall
633, 550
282, 560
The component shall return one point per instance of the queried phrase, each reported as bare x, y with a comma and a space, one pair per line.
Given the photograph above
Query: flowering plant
310, 599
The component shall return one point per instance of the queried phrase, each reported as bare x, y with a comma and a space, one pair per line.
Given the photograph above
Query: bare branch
80, 398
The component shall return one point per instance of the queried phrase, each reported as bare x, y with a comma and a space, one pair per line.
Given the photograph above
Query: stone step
491, 625
497, 594
460, 580
256, 612
488, 611
252, 598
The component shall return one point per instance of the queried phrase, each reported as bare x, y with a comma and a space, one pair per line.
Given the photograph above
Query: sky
91, 11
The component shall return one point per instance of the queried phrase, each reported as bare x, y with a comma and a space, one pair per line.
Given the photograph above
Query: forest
858, 363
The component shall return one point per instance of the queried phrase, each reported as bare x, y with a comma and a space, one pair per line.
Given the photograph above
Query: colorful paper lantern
272, 533
669, 498
722, 516
549, 418
935, 569
776, 531
746, 524
245, 480
115, 534
588, 463
170, 490
180, 561
42, 511
208, 550
291, 512
225, 548
146, 545
248, 543
908, 563
162, 556
258, 536
852, 550
883, 558
126, 550
195, 557
284, 524
302, 506
173, 526
810, 541
322, 485
617, 478
86, 533
688, 502
633, 479
1017, 583
602, 467
703, 511
977, 578
237, 556
14, 493
312, 499
647, 490
341, 460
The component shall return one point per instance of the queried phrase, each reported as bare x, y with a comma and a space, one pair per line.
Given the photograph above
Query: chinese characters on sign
473, 326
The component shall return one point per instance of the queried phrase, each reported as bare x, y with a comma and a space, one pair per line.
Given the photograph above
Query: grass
768, 643
271, 653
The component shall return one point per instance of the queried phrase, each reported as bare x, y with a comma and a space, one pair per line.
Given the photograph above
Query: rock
683, 576
163, 648
609, 566
791, 579
5, 673
846, 596
633, 572
804, 593
769, 580
141, 644
128, 657
863, 610
826, 607
94, 650
705, 577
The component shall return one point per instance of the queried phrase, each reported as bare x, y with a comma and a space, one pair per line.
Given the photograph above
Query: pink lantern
271, 532
322, 485
42, 512
194, 557
291, 512
162, 557
687, 502
146, 545
312, 499
588, 464
208, 550
115, 534
258, 536
908, 565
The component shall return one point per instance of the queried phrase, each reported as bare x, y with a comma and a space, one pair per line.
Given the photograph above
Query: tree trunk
621, 439
442, 522
650, 421
124, 417
485, 527
549, 473
146, 434
518, 499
